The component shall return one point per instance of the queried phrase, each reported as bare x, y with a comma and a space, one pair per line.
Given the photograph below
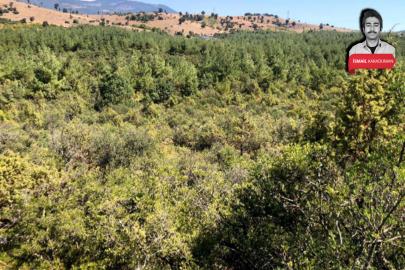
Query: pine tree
243, 130
371, 110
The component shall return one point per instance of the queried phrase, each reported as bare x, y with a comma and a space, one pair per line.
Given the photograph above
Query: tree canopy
258, 150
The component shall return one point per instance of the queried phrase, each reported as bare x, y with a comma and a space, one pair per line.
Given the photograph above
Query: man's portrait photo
371, 26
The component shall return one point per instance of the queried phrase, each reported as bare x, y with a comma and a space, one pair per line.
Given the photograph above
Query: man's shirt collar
365, 43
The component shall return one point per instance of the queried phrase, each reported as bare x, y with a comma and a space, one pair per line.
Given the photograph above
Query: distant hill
403, 31
102, 6
170, 23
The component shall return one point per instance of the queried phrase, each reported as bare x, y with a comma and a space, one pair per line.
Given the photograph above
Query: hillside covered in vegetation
128, 150
15, 12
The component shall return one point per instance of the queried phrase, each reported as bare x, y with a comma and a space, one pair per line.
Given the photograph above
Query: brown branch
370, 254
402, 154
358, 255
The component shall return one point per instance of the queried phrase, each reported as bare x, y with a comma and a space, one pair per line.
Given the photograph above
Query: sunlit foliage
133, 150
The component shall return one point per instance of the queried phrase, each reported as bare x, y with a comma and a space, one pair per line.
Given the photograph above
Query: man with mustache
372, 25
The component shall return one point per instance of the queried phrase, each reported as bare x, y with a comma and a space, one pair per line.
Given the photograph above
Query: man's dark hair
371, 13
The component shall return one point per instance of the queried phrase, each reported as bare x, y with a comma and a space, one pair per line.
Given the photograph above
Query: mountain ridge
102, 6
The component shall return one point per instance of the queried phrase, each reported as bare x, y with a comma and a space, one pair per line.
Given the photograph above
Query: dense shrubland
125, 150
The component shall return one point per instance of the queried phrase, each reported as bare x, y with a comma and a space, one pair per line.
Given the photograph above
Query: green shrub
115, 89
43, 74
161, 90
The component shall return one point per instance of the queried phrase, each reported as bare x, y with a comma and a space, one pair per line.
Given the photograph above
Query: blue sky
342, 13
